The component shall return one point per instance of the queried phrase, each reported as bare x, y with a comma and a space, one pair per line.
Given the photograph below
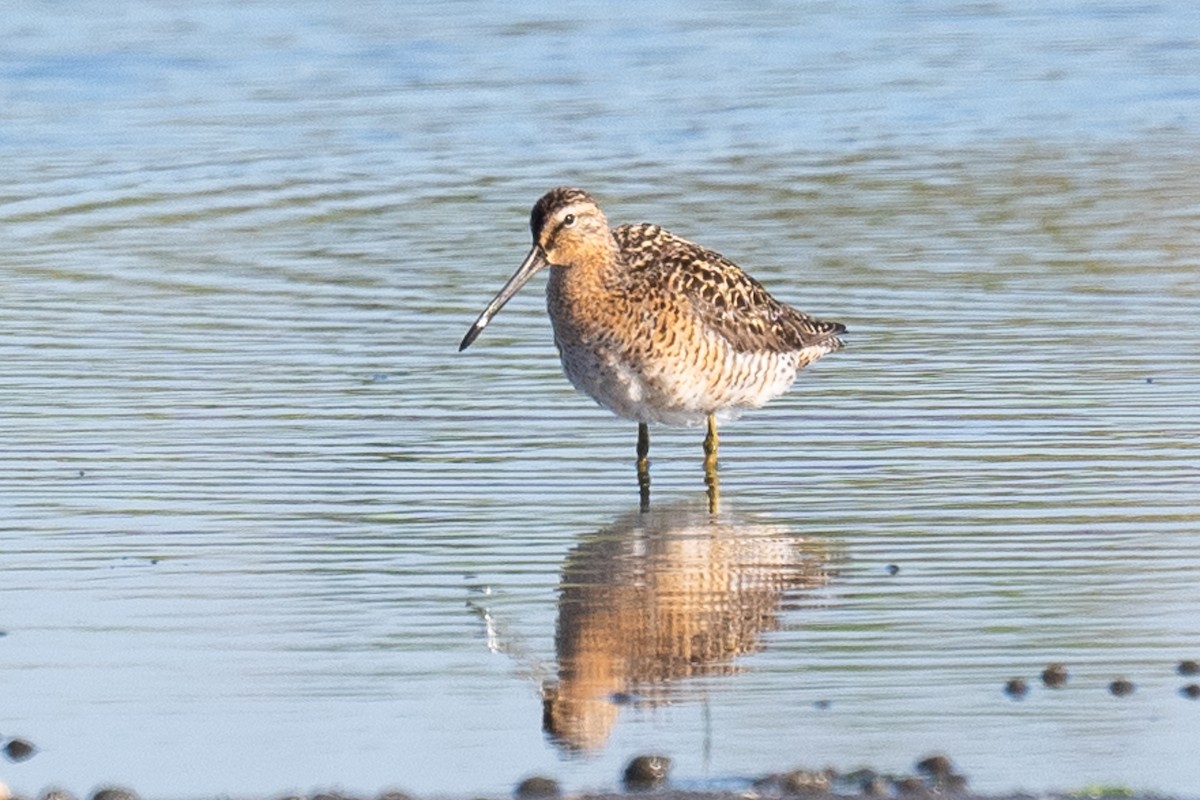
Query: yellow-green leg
643, 465
710, 466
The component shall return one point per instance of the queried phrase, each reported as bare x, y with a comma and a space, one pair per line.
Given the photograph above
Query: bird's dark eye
568, 220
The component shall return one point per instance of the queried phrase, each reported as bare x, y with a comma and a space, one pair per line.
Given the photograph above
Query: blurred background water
263, 529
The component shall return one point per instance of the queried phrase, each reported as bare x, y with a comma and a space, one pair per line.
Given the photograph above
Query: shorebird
658, 329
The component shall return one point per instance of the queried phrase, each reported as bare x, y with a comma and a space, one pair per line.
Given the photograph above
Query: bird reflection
658, 597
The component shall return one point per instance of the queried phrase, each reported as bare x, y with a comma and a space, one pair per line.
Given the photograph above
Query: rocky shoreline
648, 776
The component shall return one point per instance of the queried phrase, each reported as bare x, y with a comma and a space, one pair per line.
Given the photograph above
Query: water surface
264, 529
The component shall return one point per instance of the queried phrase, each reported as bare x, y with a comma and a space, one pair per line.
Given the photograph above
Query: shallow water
264, 529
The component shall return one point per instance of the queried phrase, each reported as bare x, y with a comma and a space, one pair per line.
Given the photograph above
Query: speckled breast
631, 369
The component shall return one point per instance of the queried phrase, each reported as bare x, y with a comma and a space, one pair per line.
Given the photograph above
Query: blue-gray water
263, 528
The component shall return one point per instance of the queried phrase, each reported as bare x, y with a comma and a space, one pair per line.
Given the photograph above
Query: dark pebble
114, 793
892, 569
393, 794
953, 783
868, 781
822, 705
1188, 667
935, 766
55, 793
911, 785
877, 787
646, 772
537, 788
1055, 675
860, 777
1121, 687
19, 750
621, 698
806, 781
1191, 691
1016, 688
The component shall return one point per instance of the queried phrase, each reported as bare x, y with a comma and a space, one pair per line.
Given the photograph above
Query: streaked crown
552, 202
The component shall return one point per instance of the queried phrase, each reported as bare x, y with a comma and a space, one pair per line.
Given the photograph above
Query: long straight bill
529, 267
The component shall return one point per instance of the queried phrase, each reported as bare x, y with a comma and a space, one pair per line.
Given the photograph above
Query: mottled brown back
723, 297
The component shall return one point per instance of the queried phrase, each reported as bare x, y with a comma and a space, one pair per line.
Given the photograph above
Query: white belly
675, 390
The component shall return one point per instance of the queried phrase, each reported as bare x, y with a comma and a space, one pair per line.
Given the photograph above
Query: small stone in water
1121, 687
1055, 675
804, 781
647, 772
1191, 691
953, 783
935, 766
537, 788
1188, 667
876, 787
1016, 688
19, 750
868, 781
55, 793
114, 793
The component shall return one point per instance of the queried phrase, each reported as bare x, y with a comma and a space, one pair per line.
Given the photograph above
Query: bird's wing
722, 297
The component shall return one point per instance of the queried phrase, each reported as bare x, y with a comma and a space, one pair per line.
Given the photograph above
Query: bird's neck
590, 275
